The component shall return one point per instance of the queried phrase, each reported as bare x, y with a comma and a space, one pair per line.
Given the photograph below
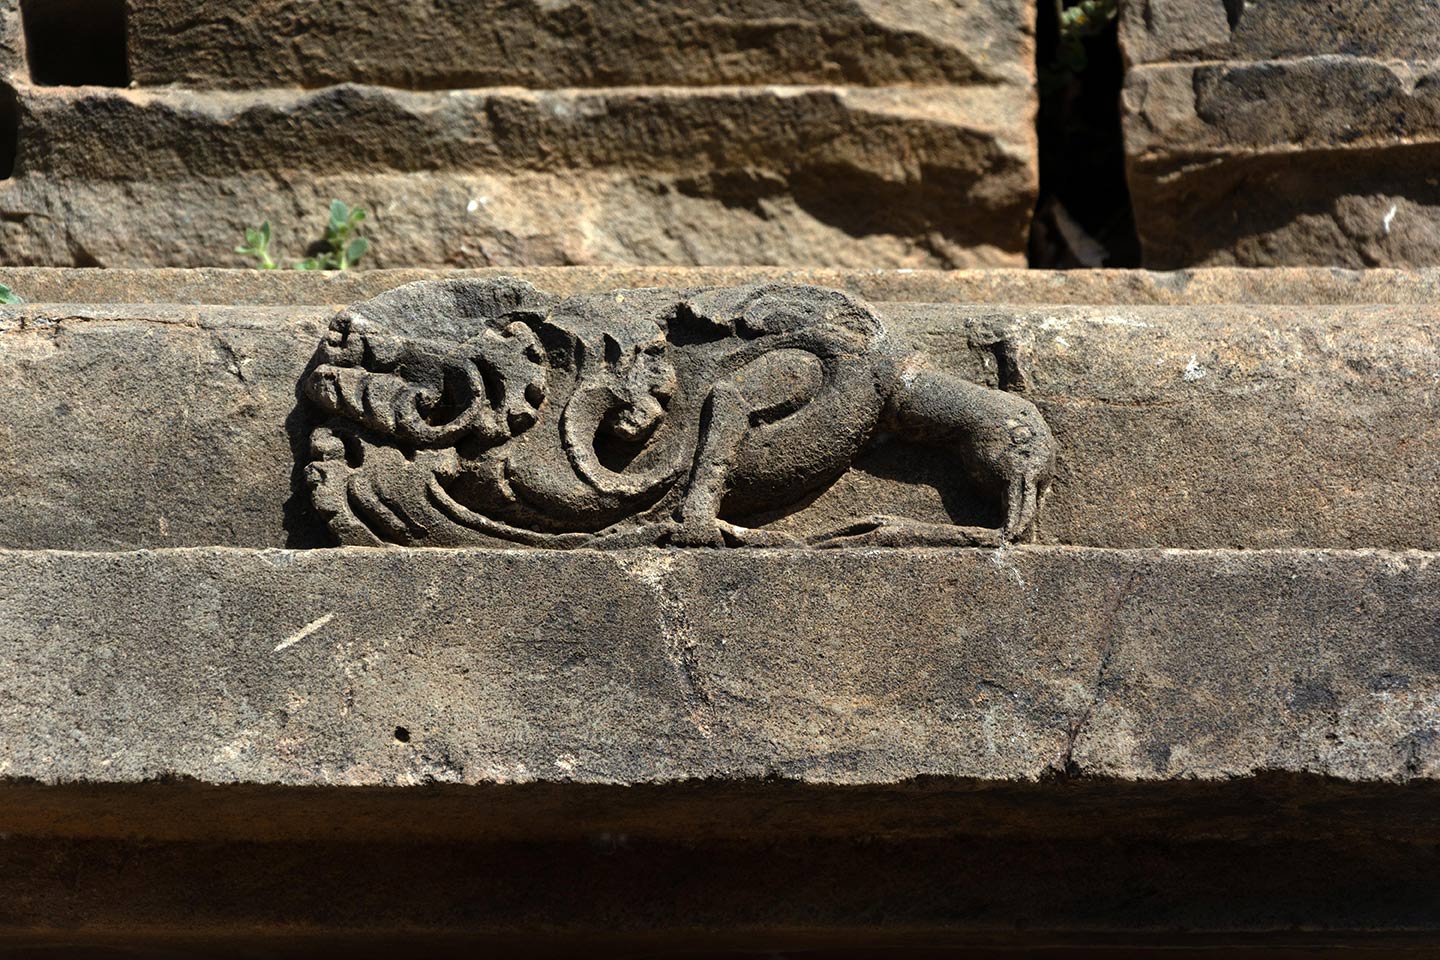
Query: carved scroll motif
485, 412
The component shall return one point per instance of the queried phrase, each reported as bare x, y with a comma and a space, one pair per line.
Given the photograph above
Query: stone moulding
357, 667
485, 412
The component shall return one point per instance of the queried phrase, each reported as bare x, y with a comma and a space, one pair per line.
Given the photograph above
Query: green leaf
357, 249
339, 213
309, 263
8, 296
265, 232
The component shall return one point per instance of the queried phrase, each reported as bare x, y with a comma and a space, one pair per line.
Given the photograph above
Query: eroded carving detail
485, 412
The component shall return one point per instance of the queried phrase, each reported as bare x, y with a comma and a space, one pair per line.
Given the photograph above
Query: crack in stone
1066, 765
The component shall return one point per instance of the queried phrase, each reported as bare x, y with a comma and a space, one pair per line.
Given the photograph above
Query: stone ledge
1297, 286
362, 667
847, 176
538, 44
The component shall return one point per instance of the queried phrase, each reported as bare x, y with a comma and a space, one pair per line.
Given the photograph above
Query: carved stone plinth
617, 651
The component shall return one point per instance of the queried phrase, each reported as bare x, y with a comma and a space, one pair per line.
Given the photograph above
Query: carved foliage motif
485, 412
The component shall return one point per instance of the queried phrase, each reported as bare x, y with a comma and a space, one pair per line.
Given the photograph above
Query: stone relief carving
486, 412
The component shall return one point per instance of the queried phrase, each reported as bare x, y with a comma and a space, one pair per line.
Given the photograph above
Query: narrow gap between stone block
9, 130
1234, 10
1084, 217
72, 43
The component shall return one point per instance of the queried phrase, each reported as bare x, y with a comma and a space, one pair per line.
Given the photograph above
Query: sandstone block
833, 132
152, 426
1284, 133
839, 176
279, 43
862, 667
1202, 287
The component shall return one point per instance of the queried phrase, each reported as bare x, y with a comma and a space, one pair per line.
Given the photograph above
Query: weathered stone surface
357, 667
1293, 286
834, 132
487, 413
1247, 426
202, 43
1156, 31
1287, 133
822, 175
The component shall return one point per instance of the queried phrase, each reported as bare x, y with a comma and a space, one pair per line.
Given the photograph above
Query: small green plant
342, 247
1078, 23
257, 245
8, 296
342, 237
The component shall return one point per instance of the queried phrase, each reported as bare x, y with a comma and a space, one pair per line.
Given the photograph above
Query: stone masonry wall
1282, 132
828, 132
1202, 712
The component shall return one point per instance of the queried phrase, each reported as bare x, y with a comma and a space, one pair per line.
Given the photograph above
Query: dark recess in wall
72, 43
9, 130
1084, 217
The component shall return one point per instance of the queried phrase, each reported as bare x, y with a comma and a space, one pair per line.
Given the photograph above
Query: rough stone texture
1284, 132
862, 667
1193, 30
874, 748
481, 43
830, 176
1294, 286
1090, 752
1246, 426
839, 133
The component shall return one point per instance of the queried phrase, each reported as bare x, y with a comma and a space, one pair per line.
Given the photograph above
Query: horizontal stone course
102, 134
201, 43
1160, 31
860, 667
1293, 107
1299, 286
1217, 426
940, 176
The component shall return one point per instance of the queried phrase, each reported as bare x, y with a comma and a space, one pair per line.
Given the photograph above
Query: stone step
202, 43
1297, 286
837, 176
1207, 426
533, 43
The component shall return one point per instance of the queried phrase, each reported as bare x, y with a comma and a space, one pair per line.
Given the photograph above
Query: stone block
402, 667
832, 133
1283, 133
1301, 287
821, 175
1215, 426
489, 43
